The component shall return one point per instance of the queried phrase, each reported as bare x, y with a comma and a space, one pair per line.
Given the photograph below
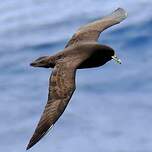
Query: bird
82, 51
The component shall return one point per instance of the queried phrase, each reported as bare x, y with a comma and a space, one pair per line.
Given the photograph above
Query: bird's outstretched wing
61, 88
91, 32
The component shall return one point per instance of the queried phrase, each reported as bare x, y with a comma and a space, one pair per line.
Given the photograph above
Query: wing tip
31, 144
120, 14
35, 139
32, 141
122, 11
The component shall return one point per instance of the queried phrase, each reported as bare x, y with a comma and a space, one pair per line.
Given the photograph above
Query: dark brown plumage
82, 51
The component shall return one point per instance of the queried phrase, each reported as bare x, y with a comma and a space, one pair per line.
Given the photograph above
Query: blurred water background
111, 110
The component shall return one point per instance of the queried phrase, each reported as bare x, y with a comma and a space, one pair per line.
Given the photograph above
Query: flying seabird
82, 51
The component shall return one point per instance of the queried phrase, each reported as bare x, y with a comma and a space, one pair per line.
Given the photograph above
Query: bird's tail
44, 61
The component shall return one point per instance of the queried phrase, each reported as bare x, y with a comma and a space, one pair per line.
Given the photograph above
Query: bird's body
91, 56
82, 51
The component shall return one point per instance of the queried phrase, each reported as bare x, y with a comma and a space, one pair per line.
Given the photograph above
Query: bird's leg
44, 61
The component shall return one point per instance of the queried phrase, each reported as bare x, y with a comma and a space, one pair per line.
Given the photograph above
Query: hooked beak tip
115, 58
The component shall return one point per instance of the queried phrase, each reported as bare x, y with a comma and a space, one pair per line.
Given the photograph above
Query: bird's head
109, 53
43, 61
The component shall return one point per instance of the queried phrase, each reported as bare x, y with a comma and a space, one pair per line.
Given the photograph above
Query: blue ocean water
110, 111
